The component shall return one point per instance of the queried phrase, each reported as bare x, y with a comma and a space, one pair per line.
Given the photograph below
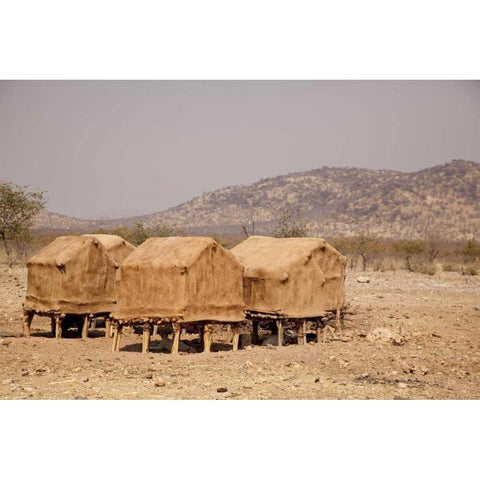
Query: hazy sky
120, 148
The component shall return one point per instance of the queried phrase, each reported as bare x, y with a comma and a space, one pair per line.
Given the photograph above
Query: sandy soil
437, 319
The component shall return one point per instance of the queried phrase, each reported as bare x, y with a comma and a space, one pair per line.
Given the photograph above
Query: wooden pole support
58, 327
177, 330
279, 323
207, 338
155, 330
337, 319
108, 327
236, 335
201, 331
255, 332
318, 331
86, 320
117, 335
146, 338
301, 331
27, 321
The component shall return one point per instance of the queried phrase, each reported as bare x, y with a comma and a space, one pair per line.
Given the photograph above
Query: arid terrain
434, 352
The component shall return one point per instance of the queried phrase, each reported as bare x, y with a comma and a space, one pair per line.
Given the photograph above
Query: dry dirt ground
435, 353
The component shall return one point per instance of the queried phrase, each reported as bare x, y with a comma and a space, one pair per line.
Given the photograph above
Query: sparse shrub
449, 267
425, 268
469, 270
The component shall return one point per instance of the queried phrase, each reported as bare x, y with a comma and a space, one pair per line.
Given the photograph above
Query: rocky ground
407, 336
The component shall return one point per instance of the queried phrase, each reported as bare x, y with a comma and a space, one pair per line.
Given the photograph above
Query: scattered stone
207, 384
222, 390
149, 376
317, 380
7, 381
386, 335
363, 280
85, 379
160, 383
248, 364
79, 398
249, 347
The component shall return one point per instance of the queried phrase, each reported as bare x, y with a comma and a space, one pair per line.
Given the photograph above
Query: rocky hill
444, 200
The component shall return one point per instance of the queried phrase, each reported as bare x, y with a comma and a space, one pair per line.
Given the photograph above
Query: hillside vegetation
333, 201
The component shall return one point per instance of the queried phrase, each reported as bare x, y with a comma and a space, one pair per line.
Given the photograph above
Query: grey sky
119, 148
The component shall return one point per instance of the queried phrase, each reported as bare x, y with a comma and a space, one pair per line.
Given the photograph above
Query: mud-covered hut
179, 280
291, 278
74, 277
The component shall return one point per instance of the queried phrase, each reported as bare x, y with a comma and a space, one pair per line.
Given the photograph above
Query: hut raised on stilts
295, 280
72, 280
179, 281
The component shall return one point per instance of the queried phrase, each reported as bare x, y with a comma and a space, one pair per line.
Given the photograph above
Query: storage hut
296, 279
74, 276
178, 281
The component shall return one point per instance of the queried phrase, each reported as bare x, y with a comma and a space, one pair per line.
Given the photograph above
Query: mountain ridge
334, 201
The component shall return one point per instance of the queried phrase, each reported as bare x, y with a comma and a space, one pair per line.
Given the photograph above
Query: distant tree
138, 234
164, 229
18, 208
471, 250
409, 249
290, 225
368, 248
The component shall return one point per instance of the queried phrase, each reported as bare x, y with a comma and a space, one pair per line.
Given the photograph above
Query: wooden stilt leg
115, 336
201, 331
337, 319
279, 323
236, 336
301, 331
255, 332
318, 331
177, 330
94, 323
86, 320
146, 338
207, 338
58, 327
108, 327
155, 330
27, 321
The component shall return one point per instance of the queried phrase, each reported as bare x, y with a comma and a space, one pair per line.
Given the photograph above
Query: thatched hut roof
187, 278
295, 277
